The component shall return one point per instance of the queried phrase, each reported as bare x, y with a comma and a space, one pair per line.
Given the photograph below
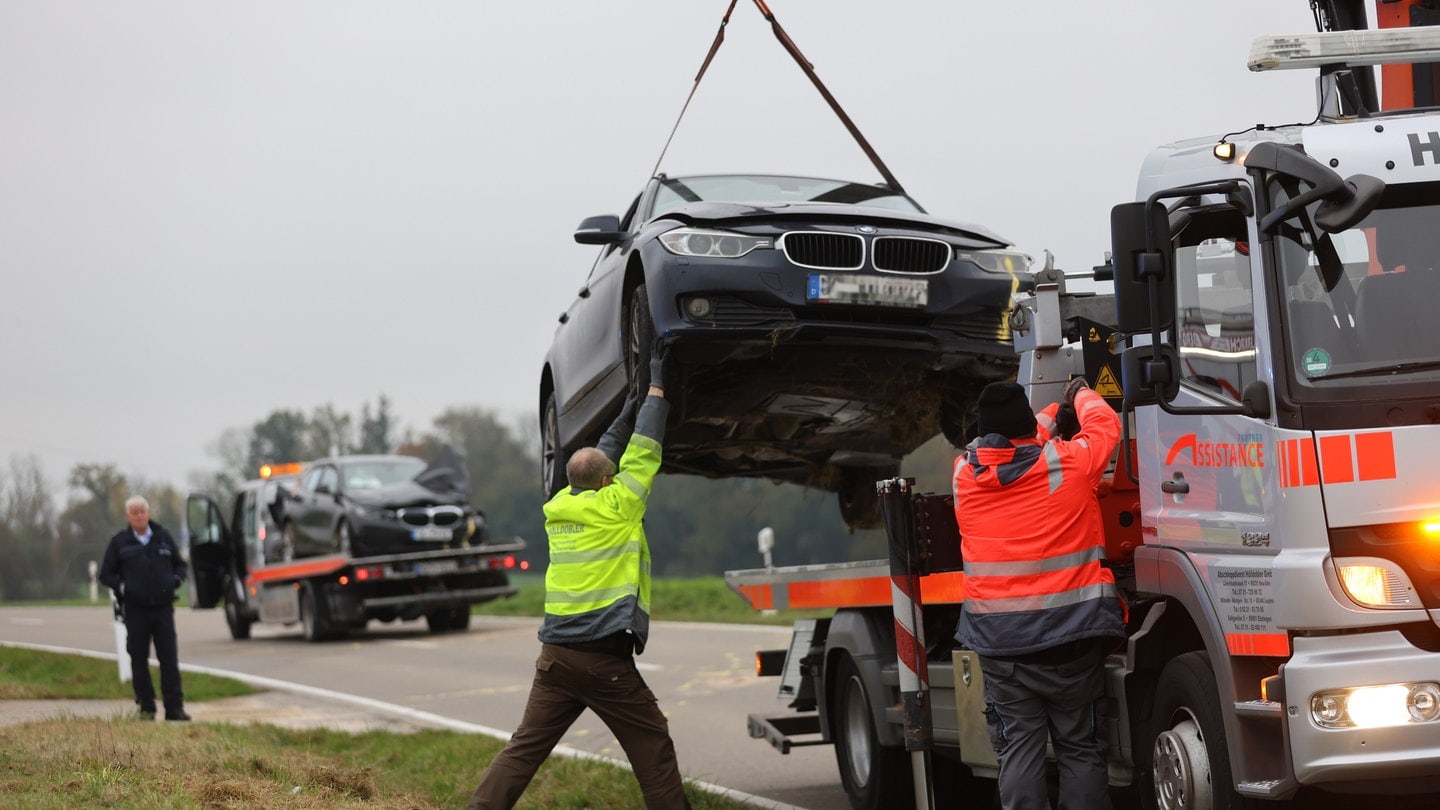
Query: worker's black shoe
178, 716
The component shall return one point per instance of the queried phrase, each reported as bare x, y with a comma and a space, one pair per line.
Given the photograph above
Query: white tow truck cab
1273, 343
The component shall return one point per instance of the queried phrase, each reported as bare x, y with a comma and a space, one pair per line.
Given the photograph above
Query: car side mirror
601, 230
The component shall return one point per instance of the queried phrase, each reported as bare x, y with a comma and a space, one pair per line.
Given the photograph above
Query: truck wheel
314, 616
873, 777
235, 617
552, 455
460, 622
438, 620
1189, 758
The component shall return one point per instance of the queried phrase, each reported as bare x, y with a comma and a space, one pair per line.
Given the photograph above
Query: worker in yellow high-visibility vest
597, 613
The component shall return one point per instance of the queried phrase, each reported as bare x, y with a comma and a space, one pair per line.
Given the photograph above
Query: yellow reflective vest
598, 580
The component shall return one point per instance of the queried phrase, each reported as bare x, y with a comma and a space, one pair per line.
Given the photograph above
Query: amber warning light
272, 470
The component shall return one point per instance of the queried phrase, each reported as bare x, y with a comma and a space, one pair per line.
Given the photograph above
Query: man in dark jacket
143, 567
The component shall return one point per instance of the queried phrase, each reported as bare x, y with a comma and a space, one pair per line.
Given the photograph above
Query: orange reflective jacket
1032, 537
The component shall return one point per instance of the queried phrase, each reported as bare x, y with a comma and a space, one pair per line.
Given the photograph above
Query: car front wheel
552, 456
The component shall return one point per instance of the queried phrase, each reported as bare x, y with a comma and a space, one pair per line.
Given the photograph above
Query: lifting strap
805, 65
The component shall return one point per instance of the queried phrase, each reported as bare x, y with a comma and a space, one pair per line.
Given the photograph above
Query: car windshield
1369, 314
380, 472
769, 189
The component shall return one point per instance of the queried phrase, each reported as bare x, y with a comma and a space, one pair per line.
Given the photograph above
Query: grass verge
692, 599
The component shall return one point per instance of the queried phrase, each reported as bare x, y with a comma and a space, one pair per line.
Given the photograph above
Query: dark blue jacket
145, 575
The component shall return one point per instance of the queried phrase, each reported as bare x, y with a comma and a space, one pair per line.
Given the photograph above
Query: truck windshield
1368, 315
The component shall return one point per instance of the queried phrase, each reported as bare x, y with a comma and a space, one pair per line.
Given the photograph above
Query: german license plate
436, 566
431, 533
883, 291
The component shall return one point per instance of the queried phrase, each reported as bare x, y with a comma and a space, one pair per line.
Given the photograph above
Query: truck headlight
1393, 704
714, 244
1375, 582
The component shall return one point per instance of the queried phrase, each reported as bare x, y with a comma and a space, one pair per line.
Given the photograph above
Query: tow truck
1272, 345
330, 595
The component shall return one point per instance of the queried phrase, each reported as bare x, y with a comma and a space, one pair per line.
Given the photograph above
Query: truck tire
874, 777
1189, 759
314, 614
235, 617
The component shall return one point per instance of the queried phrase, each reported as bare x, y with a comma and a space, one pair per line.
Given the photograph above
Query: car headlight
996, 261
371, 512
711, 243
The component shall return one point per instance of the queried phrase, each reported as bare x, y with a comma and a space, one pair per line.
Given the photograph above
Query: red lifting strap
809, 69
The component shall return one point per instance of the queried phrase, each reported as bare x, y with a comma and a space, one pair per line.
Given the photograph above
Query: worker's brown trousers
566, 683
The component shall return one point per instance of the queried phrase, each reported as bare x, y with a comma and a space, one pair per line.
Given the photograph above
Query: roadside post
94, 582
906, 602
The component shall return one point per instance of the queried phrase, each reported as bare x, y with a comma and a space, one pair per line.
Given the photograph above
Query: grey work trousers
1024, 701
567, 682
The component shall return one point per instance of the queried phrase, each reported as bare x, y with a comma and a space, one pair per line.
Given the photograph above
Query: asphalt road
703, 676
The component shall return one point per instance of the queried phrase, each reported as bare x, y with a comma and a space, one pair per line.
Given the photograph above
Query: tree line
696, 526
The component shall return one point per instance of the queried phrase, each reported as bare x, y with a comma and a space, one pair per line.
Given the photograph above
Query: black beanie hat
1005, 410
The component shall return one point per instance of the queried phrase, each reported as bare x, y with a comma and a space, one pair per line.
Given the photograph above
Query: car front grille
846, 251
825, 251
444, 516
901, 254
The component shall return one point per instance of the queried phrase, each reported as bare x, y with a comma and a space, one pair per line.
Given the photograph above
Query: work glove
659, 354
1067, 422
1073, 388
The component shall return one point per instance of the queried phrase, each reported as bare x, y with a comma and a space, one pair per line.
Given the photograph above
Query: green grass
698, 599
126, 764
34, 675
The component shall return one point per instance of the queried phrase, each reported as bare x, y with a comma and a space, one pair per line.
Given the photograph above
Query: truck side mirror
1136, 228
1149, 377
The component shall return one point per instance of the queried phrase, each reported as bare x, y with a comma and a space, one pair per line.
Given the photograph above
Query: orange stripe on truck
1268, 644
1376, 454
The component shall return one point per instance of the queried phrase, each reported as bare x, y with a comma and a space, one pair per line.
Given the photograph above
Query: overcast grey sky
209, 211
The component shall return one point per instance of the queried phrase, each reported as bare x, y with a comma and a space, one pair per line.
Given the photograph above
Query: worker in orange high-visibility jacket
1039, 608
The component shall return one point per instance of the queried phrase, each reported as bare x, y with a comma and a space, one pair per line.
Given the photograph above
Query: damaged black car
819, 330
370, 505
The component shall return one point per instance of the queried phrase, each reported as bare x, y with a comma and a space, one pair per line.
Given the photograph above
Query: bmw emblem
867, 229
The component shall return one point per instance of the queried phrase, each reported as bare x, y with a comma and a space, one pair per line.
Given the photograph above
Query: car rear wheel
552, 455
859, 502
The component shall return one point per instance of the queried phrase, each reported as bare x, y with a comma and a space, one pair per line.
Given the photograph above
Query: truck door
208, 547
1214, 467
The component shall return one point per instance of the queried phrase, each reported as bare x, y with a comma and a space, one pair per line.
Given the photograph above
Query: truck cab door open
208, 546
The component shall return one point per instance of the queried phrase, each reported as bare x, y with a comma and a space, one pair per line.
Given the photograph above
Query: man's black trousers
144, 626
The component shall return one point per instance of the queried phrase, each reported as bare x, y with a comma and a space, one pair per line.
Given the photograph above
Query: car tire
873, 777
552, 455
858, 500
639, 338
954, 424
344, 541
287, 542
